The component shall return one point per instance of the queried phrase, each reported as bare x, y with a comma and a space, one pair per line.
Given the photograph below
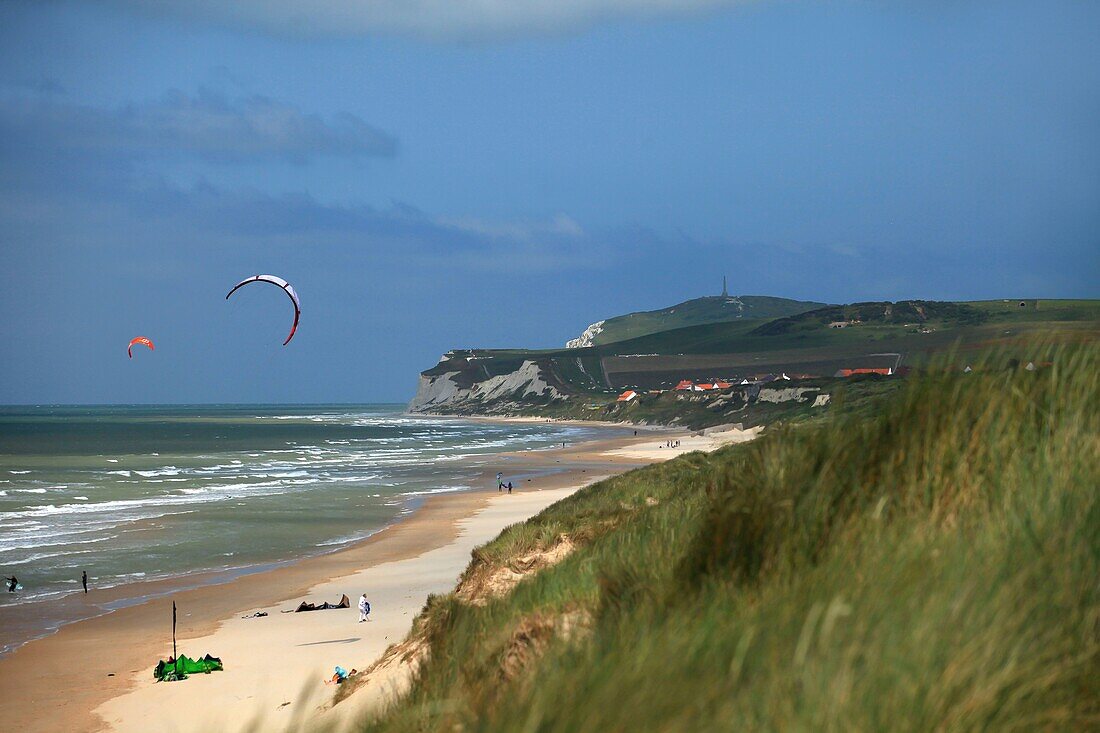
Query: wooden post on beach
173, 630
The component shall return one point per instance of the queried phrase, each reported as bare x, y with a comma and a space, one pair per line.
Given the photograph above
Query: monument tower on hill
725, 293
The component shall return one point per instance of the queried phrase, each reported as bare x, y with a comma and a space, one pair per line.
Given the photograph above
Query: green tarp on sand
179, 668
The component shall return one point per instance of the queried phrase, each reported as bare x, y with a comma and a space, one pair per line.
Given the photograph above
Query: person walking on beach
13, 582
509, 487
364, 608
84, 580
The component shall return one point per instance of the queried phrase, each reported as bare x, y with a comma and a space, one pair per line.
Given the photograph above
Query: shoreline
572, 422
116, 649
55, 613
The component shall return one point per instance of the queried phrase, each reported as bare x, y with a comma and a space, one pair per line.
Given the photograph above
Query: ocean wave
344, 540
440, 490
43, 541
166, 471
215, 492
45, 556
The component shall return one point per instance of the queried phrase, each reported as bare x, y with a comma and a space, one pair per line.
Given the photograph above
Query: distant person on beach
12, 583
364, 608
84, 580
339, 675
509, 487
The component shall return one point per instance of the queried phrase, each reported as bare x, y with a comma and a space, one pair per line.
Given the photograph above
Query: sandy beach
655, 449
97, 674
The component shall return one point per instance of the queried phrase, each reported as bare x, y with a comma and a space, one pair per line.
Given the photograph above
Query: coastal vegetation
922, 560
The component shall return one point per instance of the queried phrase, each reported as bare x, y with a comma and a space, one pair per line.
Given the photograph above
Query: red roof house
884, 371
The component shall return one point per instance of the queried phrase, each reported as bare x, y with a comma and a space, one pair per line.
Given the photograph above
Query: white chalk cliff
444, 390
587, 338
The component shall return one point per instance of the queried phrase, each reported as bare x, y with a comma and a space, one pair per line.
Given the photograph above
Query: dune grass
932, 565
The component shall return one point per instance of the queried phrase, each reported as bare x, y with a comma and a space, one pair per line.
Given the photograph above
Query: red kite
139, 340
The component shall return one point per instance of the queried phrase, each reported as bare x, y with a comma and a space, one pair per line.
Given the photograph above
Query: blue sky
434, 174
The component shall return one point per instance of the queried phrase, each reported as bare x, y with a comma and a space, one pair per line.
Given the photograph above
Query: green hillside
906, 333
699, 311
929, 564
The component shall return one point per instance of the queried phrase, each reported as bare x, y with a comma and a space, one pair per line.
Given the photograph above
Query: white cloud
438, 19
207, 125
560, 225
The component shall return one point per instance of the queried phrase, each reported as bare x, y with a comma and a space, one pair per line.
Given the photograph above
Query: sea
138, 493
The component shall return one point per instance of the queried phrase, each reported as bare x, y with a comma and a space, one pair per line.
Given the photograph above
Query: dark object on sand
345, 602
258, 614
171, 670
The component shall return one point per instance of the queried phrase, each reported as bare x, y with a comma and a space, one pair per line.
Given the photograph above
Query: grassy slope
930, 564
700, 311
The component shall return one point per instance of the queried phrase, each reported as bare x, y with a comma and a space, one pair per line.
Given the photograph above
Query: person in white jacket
364, 608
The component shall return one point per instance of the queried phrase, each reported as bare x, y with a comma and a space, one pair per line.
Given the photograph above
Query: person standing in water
13, 582
364, 608
84, 580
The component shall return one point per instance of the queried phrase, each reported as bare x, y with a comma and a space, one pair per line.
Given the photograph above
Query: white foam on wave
440, 490
214, 492
166, 471
45, 556
18, 473
42, 542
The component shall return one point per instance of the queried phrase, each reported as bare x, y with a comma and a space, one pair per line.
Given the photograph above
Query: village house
845, 373
628, 396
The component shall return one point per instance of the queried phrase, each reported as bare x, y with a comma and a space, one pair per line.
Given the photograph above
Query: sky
438, 174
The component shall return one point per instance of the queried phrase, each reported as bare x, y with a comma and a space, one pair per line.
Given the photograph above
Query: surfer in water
13, 583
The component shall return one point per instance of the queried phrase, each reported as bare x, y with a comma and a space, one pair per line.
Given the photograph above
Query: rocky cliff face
461, 391
588, 338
